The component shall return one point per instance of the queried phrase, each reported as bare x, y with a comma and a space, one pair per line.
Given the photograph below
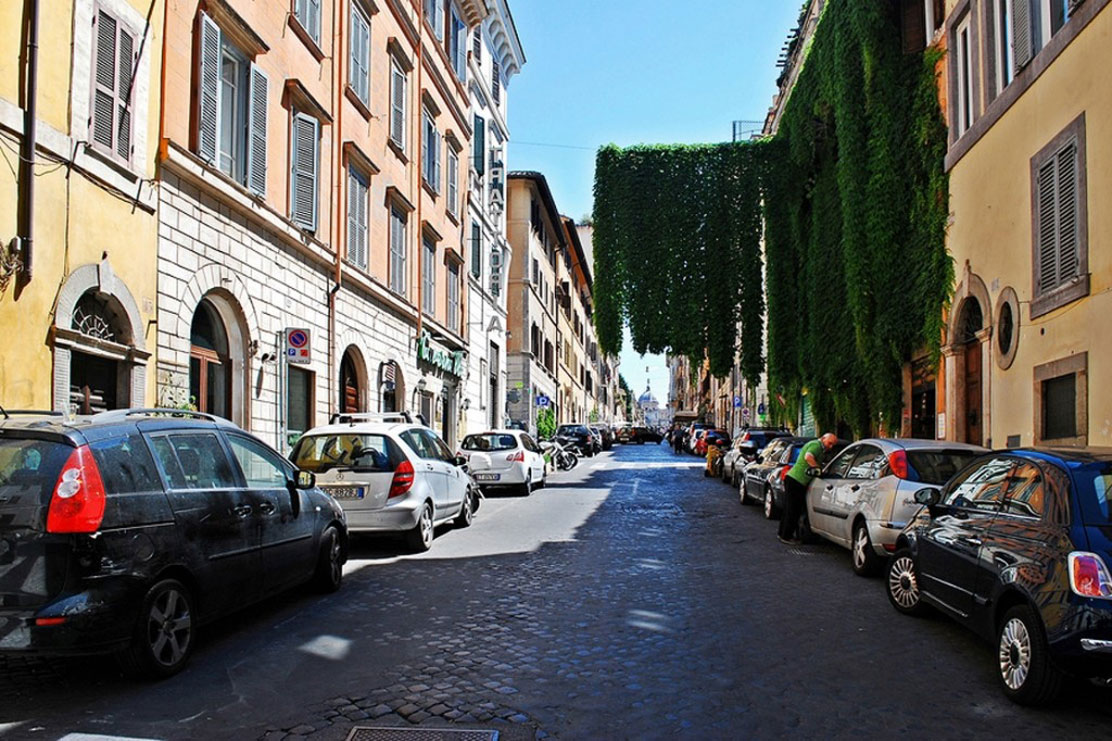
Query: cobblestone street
632, 598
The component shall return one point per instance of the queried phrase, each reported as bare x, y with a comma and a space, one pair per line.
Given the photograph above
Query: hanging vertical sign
297, 346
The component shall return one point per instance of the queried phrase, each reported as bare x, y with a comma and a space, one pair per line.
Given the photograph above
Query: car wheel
466, 510
1026, 672
733, 479
722, 470
770, 510
330, 562
420, 537
163, 639
865, 560
527, 487
903, 584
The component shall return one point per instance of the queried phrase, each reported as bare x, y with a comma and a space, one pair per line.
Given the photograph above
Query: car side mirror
461, 461
928, 496
305, 480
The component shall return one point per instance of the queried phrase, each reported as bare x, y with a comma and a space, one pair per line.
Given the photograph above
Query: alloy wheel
169, 629
335, 560
426, 526
1015, 654
860, 543
903, 585
770, 505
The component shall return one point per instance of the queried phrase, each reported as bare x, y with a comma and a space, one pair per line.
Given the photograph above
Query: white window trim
965, 102
1004, 53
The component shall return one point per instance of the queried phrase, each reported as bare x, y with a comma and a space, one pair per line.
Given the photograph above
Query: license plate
488, 476
346, 492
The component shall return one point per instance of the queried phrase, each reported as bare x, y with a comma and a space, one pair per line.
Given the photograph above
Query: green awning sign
449, 362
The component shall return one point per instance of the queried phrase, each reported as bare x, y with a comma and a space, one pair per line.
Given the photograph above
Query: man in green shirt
811, 459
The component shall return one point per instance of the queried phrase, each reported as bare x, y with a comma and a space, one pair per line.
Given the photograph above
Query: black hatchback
1017, 547
124, 531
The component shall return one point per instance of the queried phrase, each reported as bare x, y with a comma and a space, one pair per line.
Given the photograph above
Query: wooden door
973, 397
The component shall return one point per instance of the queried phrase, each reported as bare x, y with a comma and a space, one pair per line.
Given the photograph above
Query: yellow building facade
1031, 138
77, 306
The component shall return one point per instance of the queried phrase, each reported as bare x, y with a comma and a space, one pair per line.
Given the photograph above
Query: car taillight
402, 481
1089, 576
77, 505
517, 457
897, 461
745, 437
784, 472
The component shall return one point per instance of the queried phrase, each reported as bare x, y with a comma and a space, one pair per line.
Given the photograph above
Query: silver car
866, 495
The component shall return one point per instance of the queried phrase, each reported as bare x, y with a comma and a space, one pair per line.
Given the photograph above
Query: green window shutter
256, 131
476, 250
478, 155
209, 90
104, 91
303, 186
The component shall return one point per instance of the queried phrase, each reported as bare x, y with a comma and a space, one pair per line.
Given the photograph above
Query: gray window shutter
304, 171
397, 107
1048, 242
360, 55
209, 98
124, 66
314, 19
1023, 33
357, 219
104, 93
256, 131
1068, 261
436, 160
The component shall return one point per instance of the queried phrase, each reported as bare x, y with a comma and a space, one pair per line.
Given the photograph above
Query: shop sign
449, 362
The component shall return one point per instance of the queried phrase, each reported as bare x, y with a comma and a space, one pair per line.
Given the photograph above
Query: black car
755, 485
1016, 546
578, 437
642, 435
124, 531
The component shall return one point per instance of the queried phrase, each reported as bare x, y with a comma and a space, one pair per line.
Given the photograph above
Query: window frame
430, 151
297, 118
428, 275
965, 68
436, 22
311, 25
453, 290
451, 187
1078, 365
397, 273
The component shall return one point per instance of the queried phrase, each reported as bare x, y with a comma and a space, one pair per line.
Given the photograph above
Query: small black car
577, 437
124, 531
1016, 546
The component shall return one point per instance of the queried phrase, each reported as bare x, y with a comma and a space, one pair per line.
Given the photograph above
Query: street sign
761, 409
543, 401
737, 402
297, 346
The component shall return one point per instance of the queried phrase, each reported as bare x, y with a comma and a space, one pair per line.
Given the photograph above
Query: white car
505, 458
389, 474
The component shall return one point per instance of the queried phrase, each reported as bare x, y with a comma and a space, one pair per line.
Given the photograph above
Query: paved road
630, 599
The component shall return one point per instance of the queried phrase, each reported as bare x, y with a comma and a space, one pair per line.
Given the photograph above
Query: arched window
971, 320
210, 365
99, 380
351, 382
391, 387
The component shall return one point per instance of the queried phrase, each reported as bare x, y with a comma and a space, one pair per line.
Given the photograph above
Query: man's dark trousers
794, 497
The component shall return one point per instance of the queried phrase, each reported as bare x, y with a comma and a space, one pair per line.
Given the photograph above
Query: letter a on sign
298, 346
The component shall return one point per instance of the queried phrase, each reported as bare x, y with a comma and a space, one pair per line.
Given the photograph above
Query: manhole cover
419, 734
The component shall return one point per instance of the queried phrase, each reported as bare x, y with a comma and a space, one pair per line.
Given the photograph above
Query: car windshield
489, 441
938, 466
571, 430
359, 452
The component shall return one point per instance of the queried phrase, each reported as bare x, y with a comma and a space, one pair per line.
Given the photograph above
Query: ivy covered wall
853, 198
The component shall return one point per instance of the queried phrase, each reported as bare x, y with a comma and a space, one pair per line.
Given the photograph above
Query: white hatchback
389, 474
505, 458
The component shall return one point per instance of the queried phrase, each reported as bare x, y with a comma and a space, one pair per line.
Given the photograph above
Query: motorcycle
562, 458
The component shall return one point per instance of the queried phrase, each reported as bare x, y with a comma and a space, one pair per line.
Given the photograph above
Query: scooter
562, 458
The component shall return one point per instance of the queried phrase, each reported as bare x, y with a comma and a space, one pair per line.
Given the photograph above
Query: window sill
303, 34
1060, 296
429, 189
452, 217
398, 150
353, 98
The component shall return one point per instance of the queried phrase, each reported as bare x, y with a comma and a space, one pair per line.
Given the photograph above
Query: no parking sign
297, 346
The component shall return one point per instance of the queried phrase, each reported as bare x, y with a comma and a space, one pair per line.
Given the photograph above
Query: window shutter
314, 19
209, 97
304, 171
479, 154
453, 176
397, 113
436, 160
256, 131
104, 94
1048, 245
477, 49
360, 50
1023, 33
496, 84
125, 64
1067, 213
357, 219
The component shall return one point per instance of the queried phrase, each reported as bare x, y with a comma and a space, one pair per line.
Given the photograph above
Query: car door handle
267, 508
242, 511
429, 467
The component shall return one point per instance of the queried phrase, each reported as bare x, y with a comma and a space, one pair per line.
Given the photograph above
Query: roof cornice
504, 40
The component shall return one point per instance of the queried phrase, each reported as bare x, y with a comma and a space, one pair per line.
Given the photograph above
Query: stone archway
968, 352
97, 322
353, 394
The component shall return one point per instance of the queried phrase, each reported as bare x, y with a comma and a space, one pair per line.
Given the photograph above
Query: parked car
733, 463
693, 432
755, 477
578, 437
596, 438
606, 434
755, 439
125, 531
710, 437
505, 459
624, 434
642, 435
1017, 547
389, 474
865, 496
773, 498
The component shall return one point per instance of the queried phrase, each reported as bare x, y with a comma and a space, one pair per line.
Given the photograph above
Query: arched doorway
391, 388
352, 382
100, 375
970, 356
210, 362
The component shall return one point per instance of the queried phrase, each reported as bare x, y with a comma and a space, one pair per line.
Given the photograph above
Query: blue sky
629, 72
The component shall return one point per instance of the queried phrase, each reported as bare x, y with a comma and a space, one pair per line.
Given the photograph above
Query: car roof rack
9, 413
121, 414
352, 418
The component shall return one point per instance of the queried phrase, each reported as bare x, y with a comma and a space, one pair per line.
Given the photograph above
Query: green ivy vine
853, 198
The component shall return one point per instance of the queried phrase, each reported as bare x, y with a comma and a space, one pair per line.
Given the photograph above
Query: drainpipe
27, 158
420, 164
337, 203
